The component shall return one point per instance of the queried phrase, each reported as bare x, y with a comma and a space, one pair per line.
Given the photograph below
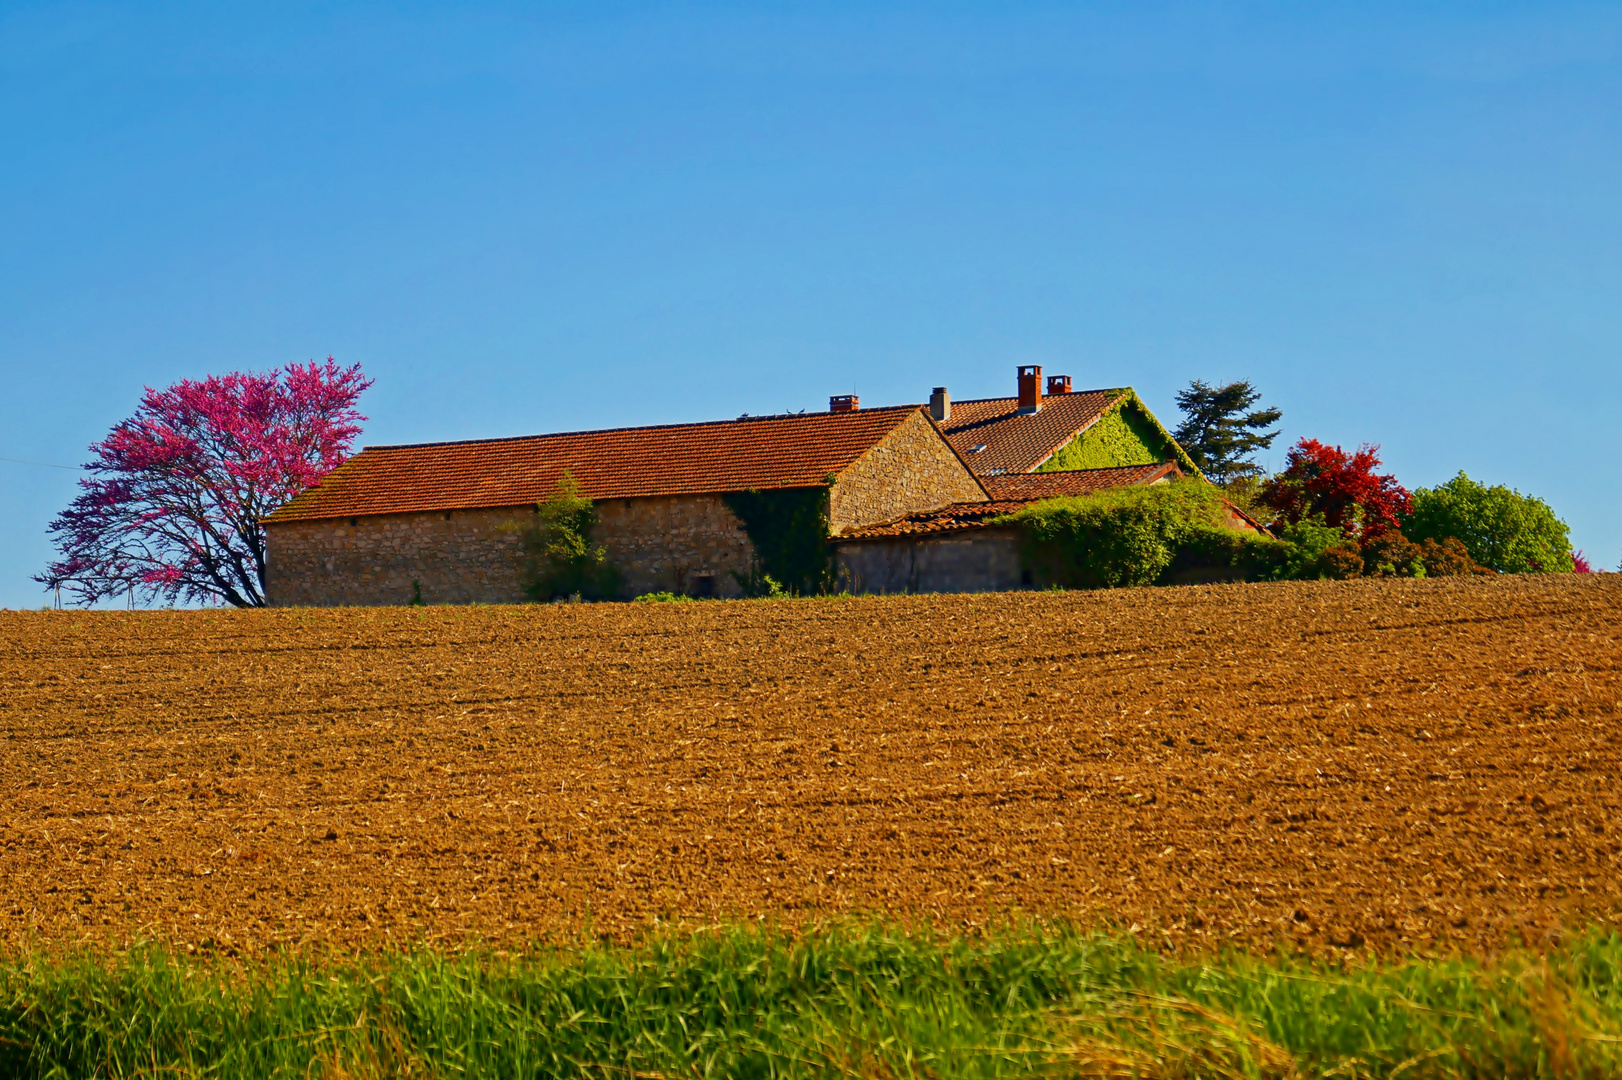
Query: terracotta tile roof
1047, 485
760, 453
1016, 443
950, 519
1012, 493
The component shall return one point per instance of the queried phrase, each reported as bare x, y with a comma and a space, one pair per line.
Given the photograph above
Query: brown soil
1410, 764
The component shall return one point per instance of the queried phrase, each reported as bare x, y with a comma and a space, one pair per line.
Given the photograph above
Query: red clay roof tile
1015, 442
755, 453
948, 519
1049, 485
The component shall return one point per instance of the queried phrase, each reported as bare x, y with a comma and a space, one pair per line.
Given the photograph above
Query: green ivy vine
789, 530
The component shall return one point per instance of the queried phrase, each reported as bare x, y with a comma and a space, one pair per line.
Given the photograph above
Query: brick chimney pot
1030, 388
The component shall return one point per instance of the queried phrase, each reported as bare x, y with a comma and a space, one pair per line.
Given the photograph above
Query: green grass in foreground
852, 1000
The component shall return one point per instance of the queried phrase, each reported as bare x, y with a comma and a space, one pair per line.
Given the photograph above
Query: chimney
940, 405
1058, 384
844, 403
1030, 388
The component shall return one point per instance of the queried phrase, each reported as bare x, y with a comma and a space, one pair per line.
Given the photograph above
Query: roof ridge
638, 427
1045, 397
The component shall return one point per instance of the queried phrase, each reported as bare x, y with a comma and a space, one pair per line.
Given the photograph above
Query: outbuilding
963, 548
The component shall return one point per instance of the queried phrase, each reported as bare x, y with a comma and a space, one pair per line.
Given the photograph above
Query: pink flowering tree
172, 507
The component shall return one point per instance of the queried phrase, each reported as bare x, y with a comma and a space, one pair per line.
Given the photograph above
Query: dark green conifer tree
1220, 430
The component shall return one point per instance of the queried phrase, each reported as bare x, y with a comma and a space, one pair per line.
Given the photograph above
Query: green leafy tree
1501, 529
558, 557
1221, 432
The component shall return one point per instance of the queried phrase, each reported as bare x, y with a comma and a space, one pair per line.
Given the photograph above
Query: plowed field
1402, 764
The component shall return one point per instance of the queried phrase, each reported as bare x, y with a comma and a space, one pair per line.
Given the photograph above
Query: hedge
1140, 536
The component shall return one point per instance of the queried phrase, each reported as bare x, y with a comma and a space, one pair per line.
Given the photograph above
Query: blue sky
1402, 222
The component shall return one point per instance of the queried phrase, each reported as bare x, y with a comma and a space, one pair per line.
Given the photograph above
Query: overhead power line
41, 464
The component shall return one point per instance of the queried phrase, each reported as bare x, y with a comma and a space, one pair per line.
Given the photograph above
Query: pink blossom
176, 493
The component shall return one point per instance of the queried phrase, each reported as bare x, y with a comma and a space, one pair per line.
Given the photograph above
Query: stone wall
687, 543
974, 560
913, 469
458, 557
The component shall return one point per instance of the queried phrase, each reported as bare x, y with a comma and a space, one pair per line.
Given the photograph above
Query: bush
1316, 550
1245, 492
1342, 562
1135, 535
1447, 557
1173, 533
558, 557
1500, 528
1209, 553
1392, 554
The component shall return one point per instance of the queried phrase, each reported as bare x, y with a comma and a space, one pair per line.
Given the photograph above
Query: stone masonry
912, 470
973, 560
684, 543
455, 557
689, 544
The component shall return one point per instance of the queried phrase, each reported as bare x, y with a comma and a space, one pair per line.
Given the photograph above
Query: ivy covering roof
996, 439
1050, 485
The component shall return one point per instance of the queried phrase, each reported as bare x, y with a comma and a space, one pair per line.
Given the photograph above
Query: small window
704, 586
977, 449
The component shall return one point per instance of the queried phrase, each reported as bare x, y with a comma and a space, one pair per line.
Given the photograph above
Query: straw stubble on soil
1405, 764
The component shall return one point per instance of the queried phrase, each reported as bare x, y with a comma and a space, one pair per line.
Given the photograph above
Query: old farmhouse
906, 495
400, 523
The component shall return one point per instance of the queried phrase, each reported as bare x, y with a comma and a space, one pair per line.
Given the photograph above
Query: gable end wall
1122, 436
911, 470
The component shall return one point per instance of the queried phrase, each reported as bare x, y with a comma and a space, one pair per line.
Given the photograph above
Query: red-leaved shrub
1342, 488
